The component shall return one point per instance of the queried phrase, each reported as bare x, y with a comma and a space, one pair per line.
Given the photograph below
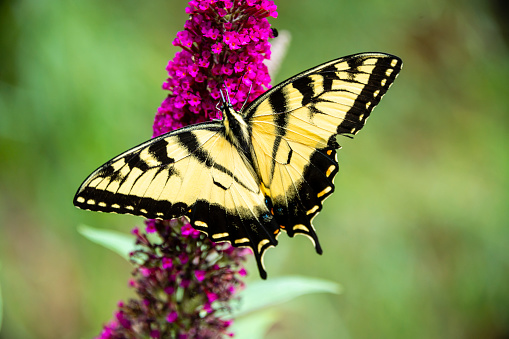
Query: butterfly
255, 173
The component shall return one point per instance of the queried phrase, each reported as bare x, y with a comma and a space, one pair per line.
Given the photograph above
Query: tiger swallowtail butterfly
255, 173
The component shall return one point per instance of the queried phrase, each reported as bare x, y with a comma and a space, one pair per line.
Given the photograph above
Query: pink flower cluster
223, 45
182, 282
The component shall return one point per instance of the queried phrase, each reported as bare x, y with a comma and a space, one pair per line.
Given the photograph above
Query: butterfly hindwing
294, 127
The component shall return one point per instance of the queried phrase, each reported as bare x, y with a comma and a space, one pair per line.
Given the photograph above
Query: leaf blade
263, 294
254, 326
118, 242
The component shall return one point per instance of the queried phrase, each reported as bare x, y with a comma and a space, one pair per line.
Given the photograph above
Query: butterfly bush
223, 46
184, 282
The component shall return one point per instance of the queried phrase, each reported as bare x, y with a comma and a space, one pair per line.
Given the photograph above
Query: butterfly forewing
294, 127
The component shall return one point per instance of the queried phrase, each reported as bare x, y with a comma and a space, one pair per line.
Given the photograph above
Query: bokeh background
416, 233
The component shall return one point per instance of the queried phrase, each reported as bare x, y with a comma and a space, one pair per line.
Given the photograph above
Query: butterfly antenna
225, 99
222, 97
227, 95
247, 98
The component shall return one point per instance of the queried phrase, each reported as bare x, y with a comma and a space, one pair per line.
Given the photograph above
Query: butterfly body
257, 172
236, 129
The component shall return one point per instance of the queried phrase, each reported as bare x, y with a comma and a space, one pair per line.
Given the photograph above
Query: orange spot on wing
276, 231
283, 227
329, 152
272, 211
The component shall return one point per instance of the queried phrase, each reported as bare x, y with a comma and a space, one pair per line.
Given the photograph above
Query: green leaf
118, 242
266, 293
254, 326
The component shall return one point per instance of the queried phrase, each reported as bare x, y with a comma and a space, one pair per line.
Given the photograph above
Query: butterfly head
225, 100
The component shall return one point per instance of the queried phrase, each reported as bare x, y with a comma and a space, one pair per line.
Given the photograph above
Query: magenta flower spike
181, 278
224, 43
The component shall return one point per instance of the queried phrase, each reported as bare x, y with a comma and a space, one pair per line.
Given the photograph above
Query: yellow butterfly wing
294, 127
195, 172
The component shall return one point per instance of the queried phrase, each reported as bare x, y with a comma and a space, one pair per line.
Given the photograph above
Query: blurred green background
416, 233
